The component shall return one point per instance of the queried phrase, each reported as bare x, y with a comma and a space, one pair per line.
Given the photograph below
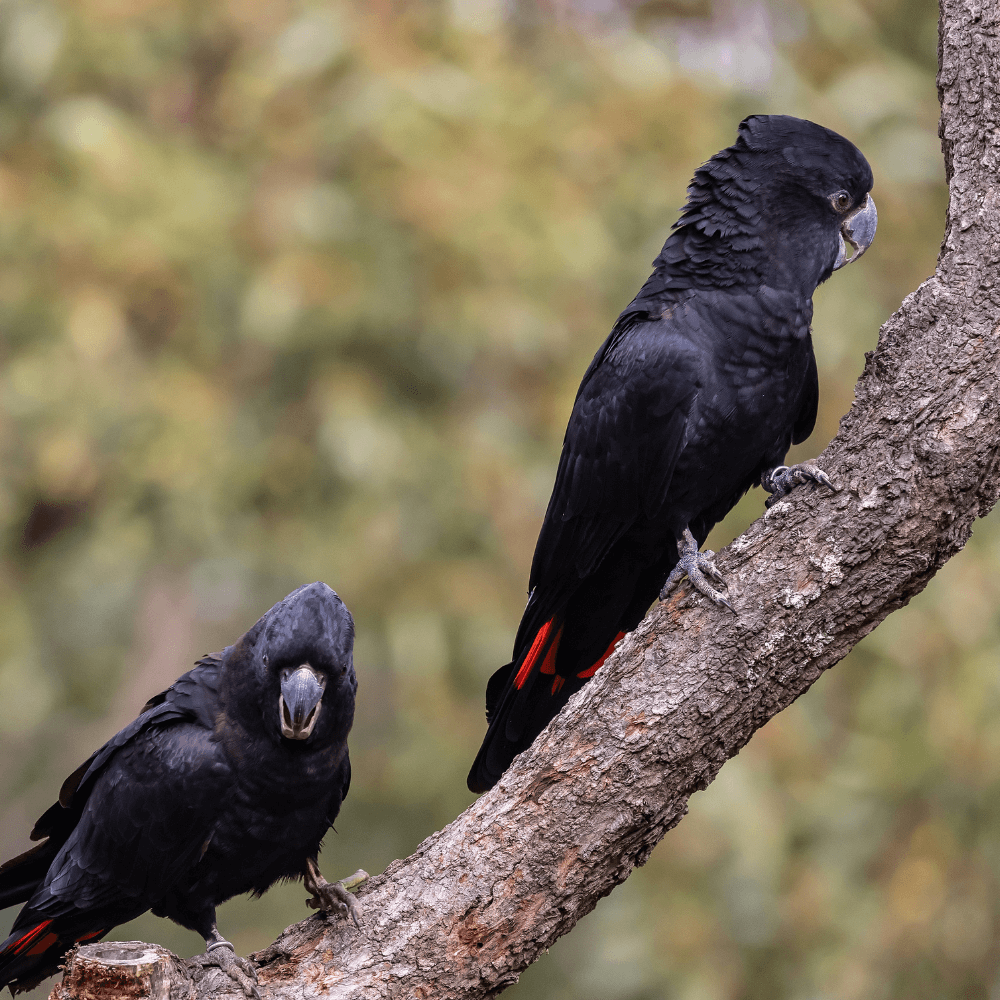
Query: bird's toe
702, 567
699, 568
335, 899
241, 970
779, 482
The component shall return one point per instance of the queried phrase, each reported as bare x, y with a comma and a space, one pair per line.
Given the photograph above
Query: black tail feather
530, 708
21, 876
495, 688
482, 776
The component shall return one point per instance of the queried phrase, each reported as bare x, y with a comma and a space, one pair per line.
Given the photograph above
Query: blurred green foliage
295, 291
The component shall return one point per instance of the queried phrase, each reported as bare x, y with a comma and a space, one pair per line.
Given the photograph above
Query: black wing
149, 817
629, 424
806, 419
345, 783
191, 699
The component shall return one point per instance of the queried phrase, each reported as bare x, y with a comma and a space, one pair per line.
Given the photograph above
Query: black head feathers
813, 156
311, 621
310, 628
766, 210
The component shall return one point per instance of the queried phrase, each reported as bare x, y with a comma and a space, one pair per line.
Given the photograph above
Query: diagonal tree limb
917, 460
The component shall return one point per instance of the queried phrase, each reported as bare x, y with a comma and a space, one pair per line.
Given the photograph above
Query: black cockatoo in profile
705, 381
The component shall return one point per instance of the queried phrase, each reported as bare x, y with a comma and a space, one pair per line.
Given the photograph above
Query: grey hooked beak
300, 700
858, 229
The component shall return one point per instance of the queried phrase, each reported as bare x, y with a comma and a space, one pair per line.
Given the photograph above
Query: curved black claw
697, 566
240, 970
333, 898
780, 481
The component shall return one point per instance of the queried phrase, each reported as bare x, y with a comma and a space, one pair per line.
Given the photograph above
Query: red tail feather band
22, 942
44, 943
549, 663
590, 671
545, 643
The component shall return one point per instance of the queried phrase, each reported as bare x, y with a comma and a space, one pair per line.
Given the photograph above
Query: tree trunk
916, 460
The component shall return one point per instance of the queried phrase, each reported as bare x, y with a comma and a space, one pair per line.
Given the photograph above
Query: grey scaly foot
779, 482
333, 898
241, 970
697, 566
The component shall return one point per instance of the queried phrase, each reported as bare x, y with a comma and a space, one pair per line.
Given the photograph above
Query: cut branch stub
123, 970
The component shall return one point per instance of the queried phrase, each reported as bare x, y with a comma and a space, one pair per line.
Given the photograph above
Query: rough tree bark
917, 461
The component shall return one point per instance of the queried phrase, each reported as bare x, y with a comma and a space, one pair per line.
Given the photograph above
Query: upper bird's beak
858, 229
299, 701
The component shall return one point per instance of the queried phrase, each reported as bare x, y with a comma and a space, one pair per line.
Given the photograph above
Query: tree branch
916, 460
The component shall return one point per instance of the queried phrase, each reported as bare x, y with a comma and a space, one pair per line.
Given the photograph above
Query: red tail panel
26, 939
590, 671
549, 663
44, 943
542, 644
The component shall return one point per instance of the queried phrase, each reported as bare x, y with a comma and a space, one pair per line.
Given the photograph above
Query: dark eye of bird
841, 201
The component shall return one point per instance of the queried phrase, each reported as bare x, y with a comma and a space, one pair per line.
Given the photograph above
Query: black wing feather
146, 819
192, 697
628, 427
806, 419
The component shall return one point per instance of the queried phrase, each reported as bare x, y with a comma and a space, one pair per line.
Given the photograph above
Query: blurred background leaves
295, 291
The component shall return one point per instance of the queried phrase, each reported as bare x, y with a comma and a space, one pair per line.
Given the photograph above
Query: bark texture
916, 460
